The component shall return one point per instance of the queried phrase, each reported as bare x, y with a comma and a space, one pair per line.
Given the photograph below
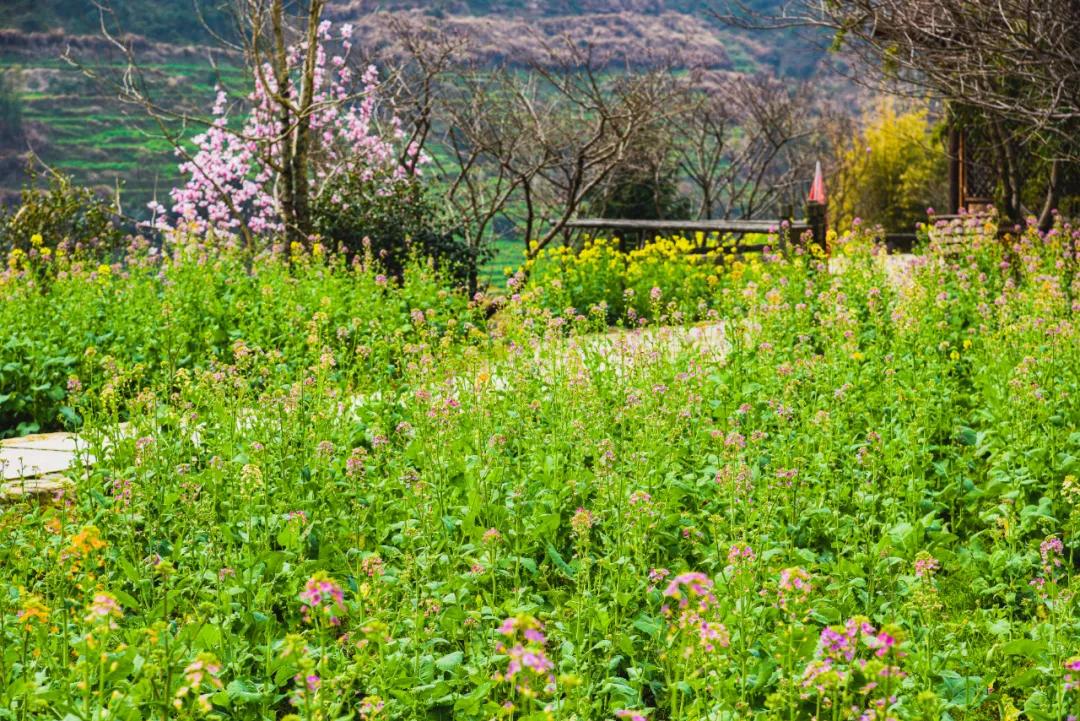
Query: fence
635, 233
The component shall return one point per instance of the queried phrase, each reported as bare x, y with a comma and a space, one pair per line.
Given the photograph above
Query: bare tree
494, 159
1009, 69
742, 141
596, 124
526, 146
704, 132
422, 65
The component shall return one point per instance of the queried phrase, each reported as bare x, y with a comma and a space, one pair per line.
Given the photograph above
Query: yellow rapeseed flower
33, 611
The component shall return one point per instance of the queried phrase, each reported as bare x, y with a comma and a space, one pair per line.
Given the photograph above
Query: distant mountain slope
172, 21
620, 38
537, 8
503, 29
81, 129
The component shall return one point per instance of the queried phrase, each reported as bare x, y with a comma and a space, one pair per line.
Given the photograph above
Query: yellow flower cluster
685, 271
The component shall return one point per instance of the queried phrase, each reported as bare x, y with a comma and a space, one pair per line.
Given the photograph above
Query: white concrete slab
48, 486
18, 463
46, 442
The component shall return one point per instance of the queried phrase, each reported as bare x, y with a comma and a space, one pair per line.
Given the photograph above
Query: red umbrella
817, 188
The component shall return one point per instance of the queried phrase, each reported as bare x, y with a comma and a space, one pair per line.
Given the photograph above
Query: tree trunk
1046, 217
301, 146
1009, 171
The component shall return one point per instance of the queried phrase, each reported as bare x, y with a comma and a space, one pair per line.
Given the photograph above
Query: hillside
76, 126
172, 21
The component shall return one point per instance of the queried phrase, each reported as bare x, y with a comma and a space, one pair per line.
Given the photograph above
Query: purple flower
632, 715
528, 667
323, 595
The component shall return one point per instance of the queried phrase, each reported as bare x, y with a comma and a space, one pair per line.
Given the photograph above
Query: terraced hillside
76, 125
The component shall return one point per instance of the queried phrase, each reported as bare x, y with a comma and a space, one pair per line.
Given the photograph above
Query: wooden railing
787, 231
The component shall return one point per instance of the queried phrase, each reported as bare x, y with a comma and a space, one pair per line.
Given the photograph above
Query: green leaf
450, 661
1037, 707
647, 625
1026, 647
961, 691
553, 554
243, 691
966, 436
209, 637
70, 417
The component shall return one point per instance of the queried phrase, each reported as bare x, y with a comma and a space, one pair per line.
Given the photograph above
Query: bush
392, 222
103, 331
892, 172
633, 193
666, 279
59, 215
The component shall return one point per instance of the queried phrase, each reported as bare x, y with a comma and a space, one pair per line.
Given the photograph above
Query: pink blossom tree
306, 126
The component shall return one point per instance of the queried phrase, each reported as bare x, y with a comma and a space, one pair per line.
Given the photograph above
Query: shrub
76, 329
393, 222
59, 215
892, 172
668, 278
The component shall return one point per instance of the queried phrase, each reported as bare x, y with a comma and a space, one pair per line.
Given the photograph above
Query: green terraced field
80, 128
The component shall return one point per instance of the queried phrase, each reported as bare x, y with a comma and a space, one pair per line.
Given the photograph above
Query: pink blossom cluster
740, 561
631, 714
696, 614
103, 609
1072, 679
204, 669
323, 595
1051, 552
232, 172
305, 689
581, 522
528, 669
926, 565
793, 589
855, 656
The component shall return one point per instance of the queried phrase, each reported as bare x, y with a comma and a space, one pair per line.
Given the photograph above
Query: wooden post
816, 217
955, 161
816, 206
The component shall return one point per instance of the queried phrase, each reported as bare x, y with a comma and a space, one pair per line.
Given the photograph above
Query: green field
647, 487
